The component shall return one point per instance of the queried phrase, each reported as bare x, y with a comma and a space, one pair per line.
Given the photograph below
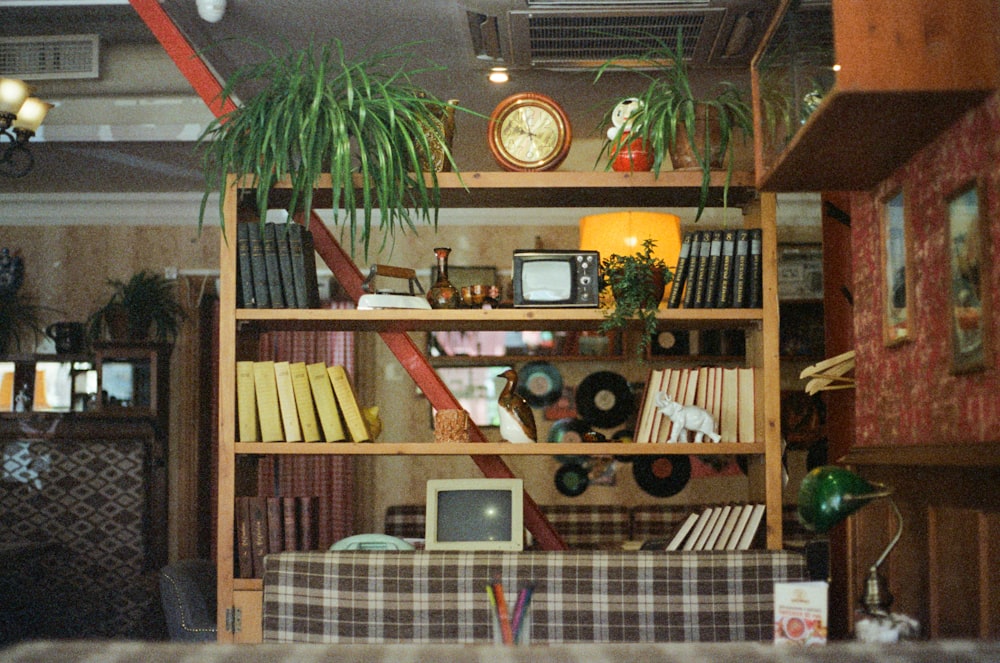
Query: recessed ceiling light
499, 75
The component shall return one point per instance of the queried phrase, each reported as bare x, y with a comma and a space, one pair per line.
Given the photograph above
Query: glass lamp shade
31, 115
623, 233
13, 92
828, 494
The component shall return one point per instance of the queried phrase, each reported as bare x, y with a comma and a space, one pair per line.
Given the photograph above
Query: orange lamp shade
623, 233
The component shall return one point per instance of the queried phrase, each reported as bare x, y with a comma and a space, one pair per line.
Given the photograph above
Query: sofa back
579, 596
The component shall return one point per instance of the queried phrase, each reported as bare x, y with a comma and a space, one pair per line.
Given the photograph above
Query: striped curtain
328, 477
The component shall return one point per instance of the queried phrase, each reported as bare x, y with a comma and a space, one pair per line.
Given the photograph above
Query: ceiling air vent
49, 57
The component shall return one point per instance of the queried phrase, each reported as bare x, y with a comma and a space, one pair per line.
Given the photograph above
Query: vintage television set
555, 278
475, 514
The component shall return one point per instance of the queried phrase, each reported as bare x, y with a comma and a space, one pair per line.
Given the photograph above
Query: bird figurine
373, 422
517, 421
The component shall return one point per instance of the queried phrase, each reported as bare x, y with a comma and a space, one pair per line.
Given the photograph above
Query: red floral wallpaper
908, 394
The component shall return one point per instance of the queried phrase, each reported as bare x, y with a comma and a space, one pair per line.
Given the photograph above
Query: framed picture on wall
965, 250
896, 287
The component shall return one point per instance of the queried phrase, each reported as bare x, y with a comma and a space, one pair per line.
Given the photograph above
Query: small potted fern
145, 302
637, 283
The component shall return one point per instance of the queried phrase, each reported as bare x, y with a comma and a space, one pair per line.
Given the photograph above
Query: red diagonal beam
415, 363
201, 78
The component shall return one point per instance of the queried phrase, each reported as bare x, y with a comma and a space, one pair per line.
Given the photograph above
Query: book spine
741, 262
724, 296
694, 261
294, 231
701, 280
244, 272
309, 266
268, 410
246, 402
348, 404
326, 403
290, 521
244, 543
281, 240
304, 402
754, 270
680, 273
258, 534
258, 267
286, 402
272, 267
308, 522
275, 525
714, 269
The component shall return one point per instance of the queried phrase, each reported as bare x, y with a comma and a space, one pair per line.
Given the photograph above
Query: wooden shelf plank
854, 140
475, 319
495, 449
569, 189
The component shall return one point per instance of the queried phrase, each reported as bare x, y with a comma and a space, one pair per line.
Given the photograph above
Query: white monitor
475, 514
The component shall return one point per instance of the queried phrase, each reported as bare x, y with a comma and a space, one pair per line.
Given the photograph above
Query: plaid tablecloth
579, 596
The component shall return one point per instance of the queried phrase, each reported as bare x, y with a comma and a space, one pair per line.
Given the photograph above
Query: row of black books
266, 525
276, 266
718, 269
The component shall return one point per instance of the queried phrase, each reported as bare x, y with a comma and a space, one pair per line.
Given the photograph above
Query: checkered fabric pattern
405, 521
586, 596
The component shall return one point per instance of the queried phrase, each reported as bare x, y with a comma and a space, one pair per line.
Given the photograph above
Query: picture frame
967, 302
896, 275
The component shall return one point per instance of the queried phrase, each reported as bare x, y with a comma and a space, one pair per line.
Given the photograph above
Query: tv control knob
585, 280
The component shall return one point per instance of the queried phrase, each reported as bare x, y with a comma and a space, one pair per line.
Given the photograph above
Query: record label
539, 383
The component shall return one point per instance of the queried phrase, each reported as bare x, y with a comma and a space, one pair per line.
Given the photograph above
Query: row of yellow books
280, 401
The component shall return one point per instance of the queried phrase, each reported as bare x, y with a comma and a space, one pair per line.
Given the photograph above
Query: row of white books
726, 393
723, 527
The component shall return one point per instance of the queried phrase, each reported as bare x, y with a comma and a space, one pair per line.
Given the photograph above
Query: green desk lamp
829, 494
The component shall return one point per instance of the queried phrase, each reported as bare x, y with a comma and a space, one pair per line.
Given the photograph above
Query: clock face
528, 132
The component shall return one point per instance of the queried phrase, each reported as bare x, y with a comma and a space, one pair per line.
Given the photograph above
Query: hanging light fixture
20, 117
624, 232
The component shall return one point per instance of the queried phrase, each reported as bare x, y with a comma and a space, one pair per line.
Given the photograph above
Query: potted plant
315, 111
637, 283
146, 300
668, 115
20, 320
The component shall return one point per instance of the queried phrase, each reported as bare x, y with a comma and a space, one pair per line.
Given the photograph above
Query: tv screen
475, 514
547, 280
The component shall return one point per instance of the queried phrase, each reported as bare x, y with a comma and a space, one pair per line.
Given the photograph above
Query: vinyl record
662, 476
569, 430
604, 399
539, 383
572, 480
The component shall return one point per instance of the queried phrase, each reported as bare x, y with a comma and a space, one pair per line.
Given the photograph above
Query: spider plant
146, 300
363, 121
669, 112
20, 320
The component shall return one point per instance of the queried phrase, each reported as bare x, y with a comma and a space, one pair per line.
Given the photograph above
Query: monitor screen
547, 280
475, 514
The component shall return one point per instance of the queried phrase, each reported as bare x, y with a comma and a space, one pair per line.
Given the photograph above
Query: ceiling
132, 128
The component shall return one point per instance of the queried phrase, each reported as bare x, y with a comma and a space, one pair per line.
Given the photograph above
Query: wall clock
529, 132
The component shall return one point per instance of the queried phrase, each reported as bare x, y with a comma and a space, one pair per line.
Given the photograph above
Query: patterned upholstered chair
187, 589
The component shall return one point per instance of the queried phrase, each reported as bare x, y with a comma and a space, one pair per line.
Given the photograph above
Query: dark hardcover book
741, 261
290, 518
754, 270
244, 556
680, 273
258, 533
724, 296
269, 238
300, 244
713, 270
275, 525
694, 262
701, 277
258, 270
244, 270
285, 264
309, 522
